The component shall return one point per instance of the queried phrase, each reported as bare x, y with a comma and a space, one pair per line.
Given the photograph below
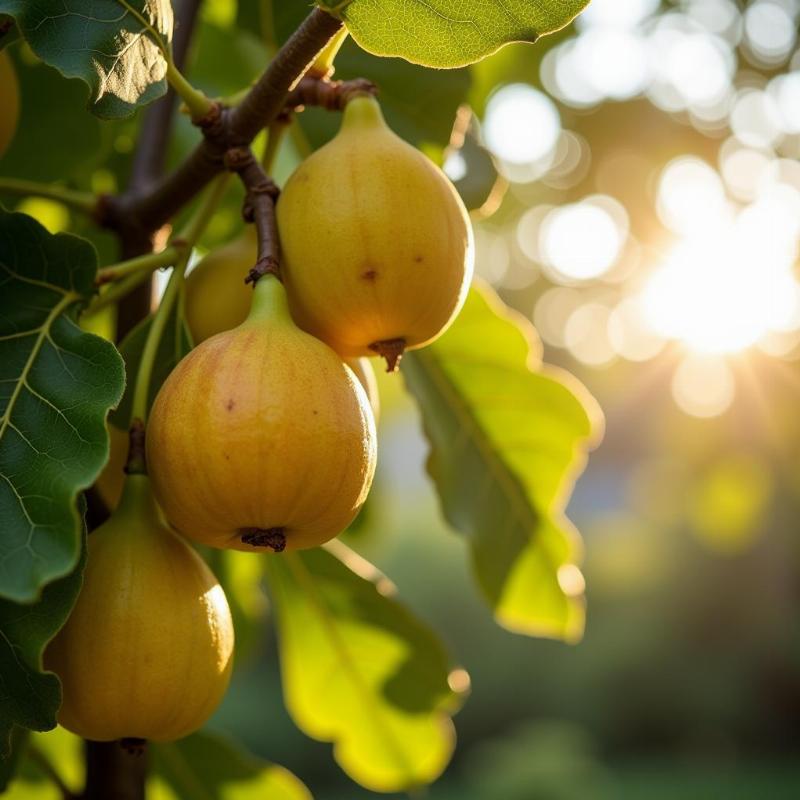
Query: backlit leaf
508, 436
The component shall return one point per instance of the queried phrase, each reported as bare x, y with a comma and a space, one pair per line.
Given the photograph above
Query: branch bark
228, 128
259, 208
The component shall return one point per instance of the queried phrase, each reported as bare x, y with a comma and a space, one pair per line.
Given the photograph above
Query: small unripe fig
261, 437
9, 101
377, 245
218, 299
148, 649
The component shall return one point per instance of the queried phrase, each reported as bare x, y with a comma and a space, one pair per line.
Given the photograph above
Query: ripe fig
377, 245
9, 101
218, 299
261, 437
147, 651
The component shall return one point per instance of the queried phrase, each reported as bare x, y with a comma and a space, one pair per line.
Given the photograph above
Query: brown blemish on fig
418, 259
369, 275
231, 404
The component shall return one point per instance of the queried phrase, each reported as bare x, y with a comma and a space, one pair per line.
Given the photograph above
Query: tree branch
331, 95
228, 128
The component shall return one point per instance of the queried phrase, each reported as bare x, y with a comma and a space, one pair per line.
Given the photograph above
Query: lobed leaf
450, 33
508, 437
57, 383
360, 671
29, 697
205, 765
115, 46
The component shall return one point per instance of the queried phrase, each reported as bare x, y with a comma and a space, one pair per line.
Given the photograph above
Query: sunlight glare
583, 240
703, 386
521, 124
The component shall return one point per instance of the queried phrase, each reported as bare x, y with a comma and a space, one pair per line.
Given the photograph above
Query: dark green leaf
57, 383
10, 761
450, 33
359, 670
29, 697
175, 343
35, 153
205, 766
507, 437
115, 46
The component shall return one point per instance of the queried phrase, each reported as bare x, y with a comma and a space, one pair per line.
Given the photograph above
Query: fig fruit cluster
263, 437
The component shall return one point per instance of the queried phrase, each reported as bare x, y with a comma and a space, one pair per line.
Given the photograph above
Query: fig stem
187, 238
258, 208
390, 349
274, 538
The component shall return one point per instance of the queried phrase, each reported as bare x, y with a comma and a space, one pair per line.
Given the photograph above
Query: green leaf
10, 762
419, 104
508, 436
35, 153
29, 697
115, 46
57, 383
205, 766
450, 33
359, 670
175, 343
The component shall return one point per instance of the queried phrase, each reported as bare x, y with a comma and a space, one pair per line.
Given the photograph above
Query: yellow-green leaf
359, 670
450, 33
508, 437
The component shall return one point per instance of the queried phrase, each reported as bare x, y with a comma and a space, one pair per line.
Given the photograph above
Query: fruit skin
218, 299
376, 243
148, 649
261, 429
9, 101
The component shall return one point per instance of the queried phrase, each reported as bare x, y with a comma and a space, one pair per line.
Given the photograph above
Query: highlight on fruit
147, 652
377, 245
262, 438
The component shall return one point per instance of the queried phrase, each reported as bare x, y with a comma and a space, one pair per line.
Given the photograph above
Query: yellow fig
261, 438
377, 245
9, 101
218, 299
147, 651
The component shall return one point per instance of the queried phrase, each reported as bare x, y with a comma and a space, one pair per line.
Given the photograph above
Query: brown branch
229, 128
331, 95
259, 208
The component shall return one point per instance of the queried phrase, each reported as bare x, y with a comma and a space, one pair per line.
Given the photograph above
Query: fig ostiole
377, 245
147, 651
261, 438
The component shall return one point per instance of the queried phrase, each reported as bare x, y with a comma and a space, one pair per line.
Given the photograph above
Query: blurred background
647, 221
